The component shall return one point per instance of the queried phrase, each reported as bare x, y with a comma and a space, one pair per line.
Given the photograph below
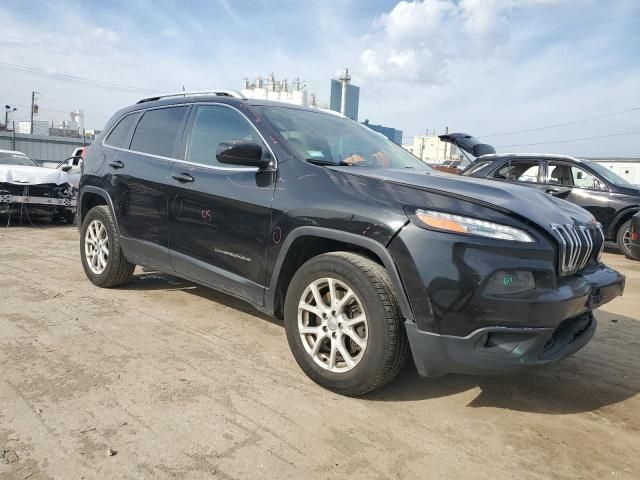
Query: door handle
183, 177
116, 164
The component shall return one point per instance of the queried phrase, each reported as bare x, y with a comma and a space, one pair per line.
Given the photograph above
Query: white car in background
28, 190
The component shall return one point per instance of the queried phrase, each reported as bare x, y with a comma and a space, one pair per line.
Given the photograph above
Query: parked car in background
634, 245
73, 167
28, 190
611, 199
364, 250
80, 152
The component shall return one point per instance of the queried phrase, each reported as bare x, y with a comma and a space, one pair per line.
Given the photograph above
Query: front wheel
343, 324
623, 239
103, 260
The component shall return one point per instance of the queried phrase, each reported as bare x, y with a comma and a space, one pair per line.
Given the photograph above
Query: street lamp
7, 110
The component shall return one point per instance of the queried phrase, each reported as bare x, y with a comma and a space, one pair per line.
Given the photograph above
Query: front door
219, 215
578, 185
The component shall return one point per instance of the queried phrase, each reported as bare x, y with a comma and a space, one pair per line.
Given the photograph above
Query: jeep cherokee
365, 251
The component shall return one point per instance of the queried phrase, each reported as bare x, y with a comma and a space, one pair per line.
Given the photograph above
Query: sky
484, 67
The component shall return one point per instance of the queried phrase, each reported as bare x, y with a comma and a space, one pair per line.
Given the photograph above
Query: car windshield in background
10, 158
610, 175
328, 139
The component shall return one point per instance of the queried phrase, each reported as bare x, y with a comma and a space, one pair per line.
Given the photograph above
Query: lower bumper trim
498, 349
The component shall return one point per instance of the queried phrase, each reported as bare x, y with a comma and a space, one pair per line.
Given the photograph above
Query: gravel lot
165, 379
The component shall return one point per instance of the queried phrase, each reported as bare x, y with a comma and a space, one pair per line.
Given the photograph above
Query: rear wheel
103, 260
343, 324
624, 239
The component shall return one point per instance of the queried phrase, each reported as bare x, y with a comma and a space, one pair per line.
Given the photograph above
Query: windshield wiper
317, 161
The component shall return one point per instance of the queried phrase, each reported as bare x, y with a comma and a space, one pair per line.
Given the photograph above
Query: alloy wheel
626, 239
96, 246
332, 325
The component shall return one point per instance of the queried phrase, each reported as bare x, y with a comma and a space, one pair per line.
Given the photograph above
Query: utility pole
33, 101
34, 108
7, 110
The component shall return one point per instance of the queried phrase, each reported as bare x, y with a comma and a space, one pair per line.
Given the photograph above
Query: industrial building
431, 149
278, 90
391, 133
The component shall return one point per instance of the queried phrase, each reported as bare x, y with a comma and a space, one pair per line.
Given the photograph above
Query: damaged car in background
28, 190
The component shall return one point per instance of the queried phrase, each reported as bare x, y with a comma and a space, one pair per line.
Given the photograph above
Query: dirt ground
165, 379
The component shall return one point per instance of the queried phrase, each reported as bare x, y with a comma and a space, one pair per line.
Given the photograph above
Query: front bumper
31, 200
504, 349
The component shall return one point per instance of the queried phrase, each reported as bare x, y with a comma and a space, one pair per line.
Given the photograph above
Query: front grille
579, 245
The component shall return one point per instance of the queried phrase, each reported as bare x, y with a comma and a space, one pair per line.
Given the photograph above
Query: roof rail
220, 93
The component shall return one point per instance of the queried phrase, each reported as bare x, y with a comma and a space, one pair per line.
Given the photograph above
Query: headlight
471, 226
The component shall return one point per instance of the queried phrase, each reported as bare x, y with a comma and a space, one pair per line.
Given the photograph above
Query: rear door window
158, 131
519, 171
120, 135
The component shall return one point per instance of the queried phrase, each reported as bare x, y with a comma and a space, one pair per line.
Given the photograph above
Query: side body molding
358, 240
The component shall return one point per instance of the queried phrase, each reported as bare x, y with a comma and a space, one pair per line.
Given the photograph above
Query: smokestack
345, 78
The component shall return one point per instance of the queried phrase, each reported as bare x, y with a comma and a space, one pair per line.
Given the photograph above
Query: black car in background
610, 198
366, 252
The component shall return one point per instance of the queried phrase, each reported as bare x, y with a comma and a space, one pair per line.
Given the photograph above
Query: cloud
103, 34
416, 40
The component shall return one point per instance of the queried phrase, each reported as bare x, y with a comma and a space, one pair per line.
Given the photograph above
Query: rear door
524, 171
219, 216
139, 174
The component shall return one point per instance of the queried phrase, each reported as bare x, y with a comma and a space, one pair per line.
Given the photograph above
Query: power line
570, 140
63, 111
63, 77
574, 122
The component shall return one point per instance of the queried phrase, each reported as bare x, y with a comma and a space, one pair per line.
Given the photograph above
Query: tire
112, 269
382, 332
624, 229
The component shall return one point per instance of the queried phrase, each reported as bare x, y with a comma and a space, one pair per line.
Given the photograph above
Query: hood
468, 143
25, 175
524, 202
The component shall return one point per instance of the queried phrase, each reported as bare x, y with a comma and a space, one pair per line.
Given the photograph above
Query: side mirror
66, 168
244, 154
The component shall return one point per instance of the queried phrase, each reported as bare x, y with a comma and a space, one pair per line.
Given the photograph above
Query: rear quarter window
120, 135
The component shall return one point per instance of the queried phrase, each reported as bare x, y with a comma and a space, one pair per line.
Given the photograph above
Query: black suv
364, 250
610, 198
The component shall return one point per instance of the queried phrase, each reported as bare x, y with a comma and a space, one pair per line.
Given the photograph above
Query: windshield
328, 139
16, 158
609, 174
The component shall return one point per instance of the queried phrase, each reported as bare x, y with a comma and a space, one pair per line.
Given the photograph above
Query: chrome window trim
171, 159
264, 141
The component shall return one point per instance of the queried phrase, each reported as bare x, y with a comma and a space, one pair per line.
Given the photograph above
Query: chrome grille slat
577, 245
